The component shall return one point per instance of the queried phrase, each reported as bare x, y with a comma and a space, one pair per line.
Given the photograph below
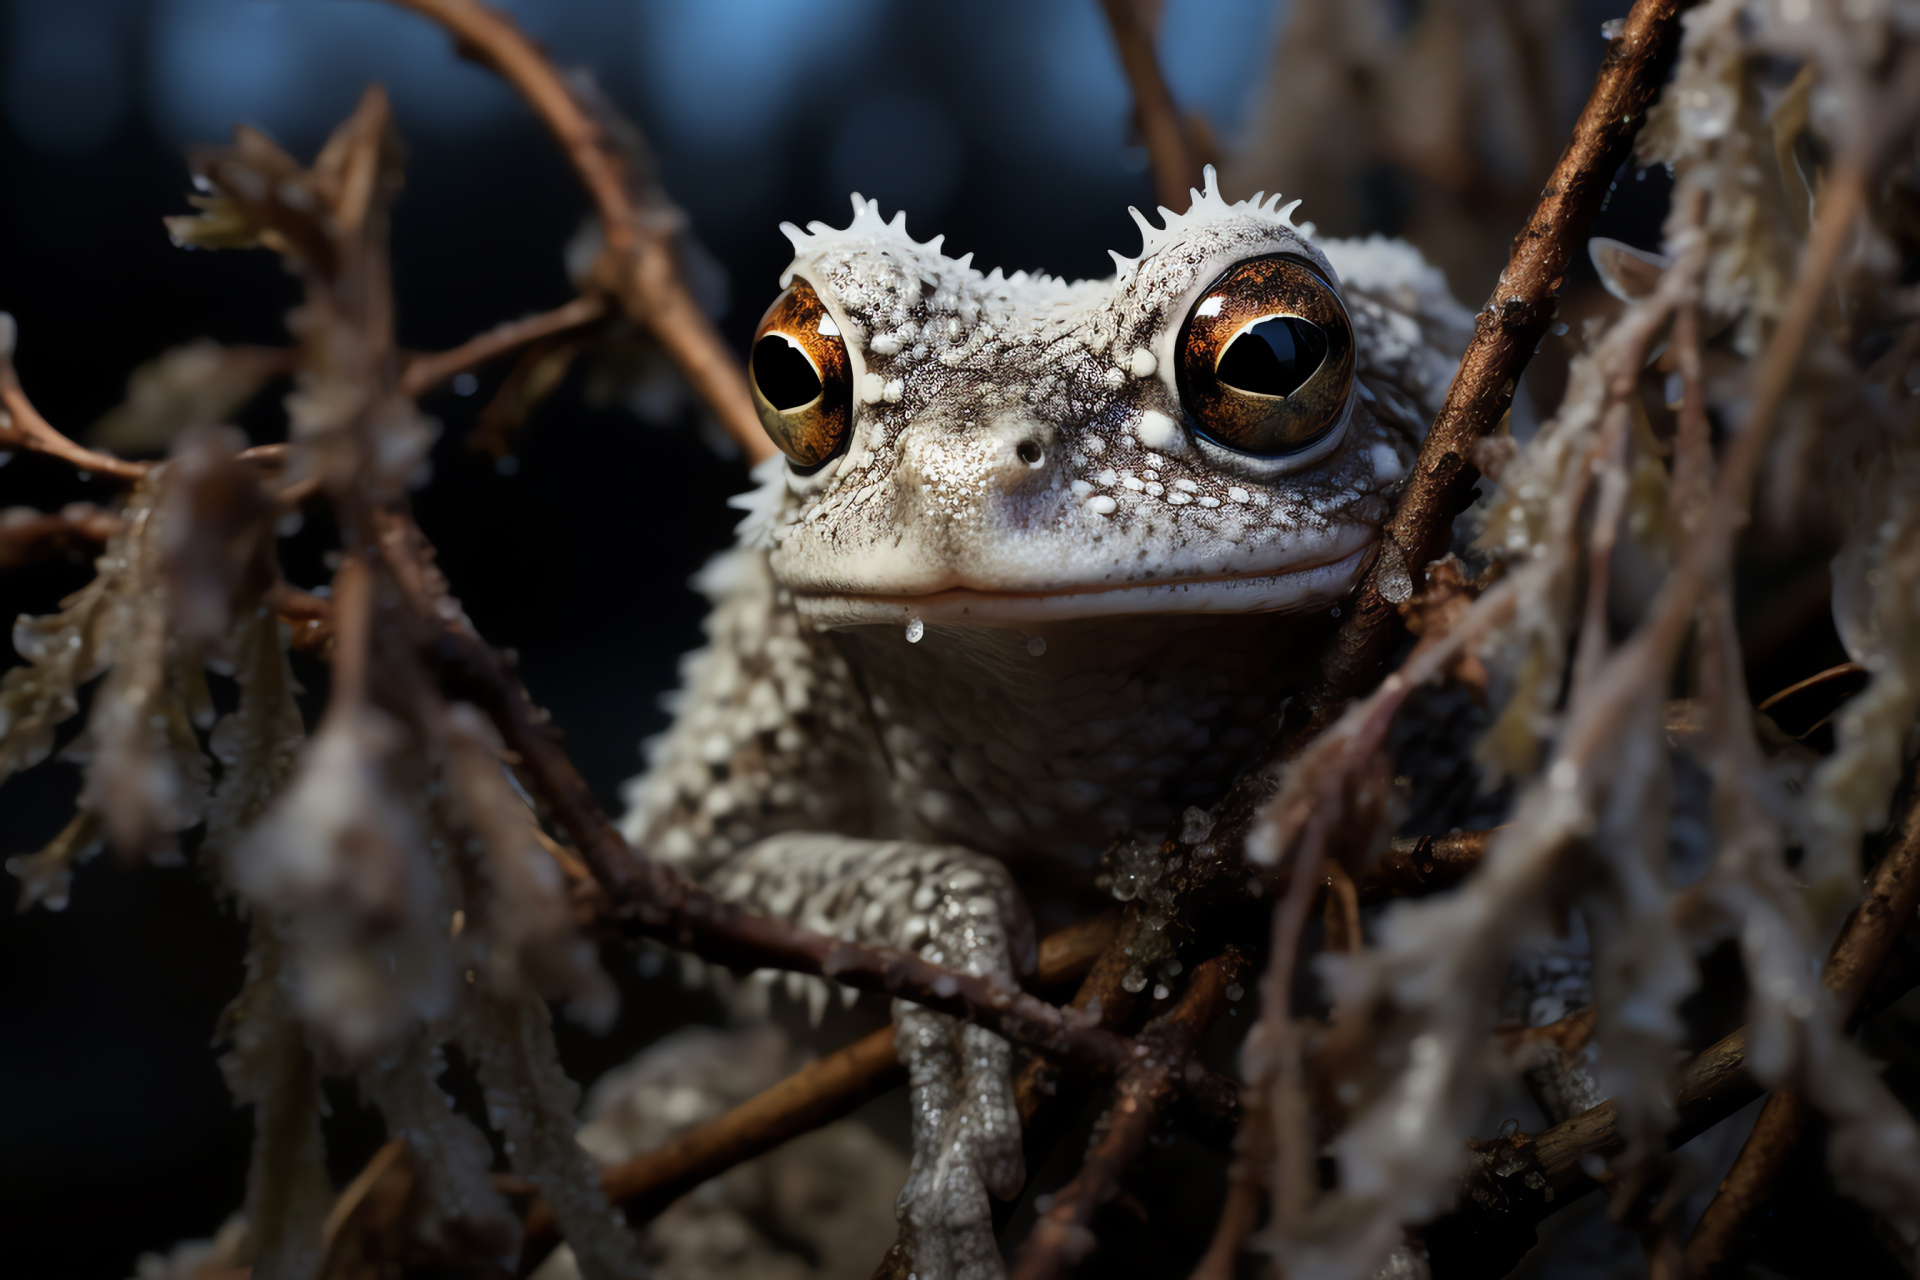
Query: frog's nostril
1030, 452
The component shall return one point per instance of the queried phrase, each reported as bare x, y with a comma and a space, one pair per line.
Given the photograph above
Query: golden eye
1265, 360
802, 378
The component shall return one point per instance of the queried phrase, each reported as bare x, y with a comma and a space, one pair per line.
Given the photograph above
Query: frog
1032, 573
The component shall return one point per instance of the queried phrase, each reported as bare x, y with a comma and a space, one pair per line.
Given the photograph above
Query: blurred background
1005, 124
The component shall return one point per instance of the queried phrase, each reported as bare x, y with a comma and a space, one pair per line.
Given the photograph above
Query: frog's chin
1292, 590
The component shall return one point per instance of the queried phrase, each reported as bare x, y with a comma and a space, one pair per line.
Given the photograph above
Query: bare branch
817, 1094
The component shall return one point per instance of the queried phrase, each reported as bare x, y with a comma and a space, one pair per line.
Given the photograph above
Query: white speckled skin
1104, 618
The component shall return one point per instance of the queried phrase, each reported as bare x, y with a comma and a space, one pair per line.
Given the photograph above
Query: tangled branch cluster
424, 869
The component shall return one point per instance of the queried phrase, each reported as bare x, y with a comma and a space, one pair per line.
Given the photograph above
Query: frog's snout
1010, 455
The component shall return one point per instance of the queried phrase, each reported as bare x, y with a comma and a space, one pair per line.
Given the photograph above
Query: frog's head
1205, 432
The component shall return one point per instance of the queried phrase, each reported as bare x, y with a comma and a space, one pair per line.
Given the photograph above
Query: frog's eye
802, 378
1265, 360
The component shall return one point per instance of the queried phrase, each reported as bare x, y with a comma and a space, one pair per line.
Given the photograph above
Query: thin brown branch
644, 275
1275, 1051
22, 427
1717, 1246
1817, 678
1063, 1235
1170, 149
27, 535
425, 372
1507, 330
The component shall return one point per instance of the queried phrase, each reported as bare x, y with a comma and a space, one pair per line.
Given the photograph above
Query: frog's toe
966, 1144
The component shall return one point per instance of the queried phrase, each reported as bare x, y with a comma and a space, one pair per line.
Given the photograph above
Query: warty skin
1026, 611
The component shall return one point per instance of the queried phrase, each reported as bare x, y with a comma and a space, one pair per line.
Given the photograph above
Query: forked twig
1507, 330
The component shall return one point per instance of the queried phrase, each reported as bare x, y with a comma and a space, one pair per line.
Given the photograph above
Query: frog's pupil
785, 376
1274, 357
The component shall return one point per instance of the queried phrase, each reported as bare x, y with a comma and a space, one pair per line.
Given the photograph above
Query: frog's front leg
955, 908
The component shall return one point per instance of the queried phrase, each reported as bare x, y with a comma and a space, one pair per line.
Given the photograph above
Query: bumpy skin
1026, 611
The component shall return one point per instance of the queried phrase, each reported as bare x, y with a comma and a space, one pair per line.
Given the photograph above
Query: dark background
1003, 123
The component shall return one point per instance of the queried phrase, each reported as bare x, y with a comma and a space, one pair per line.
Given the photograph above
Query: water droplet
1134, 981
915, 630
1037, 646
1235, 991
1160, 991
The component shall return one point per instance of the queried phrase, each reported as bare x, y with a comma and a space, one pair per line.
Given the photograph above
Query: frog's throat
1294, 590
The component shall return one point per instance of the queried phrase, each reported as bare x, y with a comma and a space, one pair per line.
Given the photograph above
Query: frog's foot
966, 1143
955, 908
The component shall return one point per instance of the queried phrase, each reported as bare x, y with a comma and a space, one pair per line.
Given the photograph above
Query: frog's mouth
1292, 590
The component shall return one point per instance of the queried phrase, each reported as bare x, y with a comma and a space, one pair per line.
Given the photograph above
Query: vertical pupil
1274, 357
784, 375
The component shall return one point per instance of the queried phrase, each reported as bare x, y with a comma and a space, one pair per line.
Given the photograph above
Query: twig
1176, 162
425, 372
646, 278
1062, 1236
1893, 896
22, 427
1817, 678
27, 535
309, 616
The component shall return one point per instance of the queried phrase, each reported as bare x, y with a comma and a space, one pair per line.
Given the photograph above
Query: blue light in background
66, 72
1053, 78
721, 72
1216, 55
885, 96
296, 67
